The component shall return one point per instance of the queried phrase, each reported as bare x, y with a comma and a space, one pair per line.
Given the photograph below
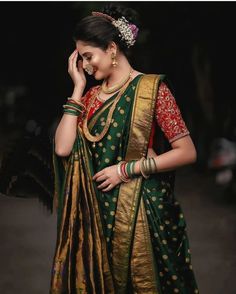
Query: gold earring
114, 61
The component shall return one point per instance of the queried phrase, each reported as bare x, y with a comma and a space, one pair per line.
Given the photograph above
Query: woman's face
98, 58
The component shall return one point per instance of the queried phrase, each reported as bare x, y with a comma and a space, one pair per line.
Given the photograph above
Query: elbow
192, 156
62, 152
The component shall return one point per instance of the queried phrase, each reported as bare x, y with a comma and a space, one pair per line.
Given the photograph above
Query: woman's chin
97, 76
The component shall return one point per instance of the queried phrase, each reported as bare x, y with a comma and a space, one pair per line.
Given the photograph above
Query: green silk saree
133, 238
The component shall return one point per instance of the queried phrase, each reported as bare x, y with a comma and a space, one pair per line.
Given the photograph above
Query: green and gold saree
133, 238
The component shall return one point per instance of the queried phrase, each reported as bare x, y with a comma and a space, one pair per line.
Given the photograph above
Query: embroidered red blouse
167, 114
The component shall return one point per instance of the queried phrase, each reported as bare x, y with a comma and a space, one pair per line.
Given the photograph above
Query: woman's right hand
76, 71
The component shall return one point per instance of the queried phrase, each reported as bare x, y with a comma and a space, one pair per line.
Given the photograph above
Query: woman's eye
88, 58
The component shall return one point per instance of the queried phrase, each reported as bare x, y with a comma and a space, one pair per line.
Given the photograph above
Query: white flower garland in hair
128, 31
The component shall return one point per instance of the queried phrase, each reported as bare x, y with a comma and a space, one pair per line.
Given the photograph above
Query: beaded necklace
98, 137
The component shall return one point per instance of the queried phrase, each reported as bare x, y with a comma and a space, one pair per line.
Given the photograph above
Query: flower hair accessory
128, 31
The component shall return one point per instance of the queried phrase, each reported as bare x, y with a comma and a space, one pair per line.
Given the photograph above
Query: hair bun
117, 11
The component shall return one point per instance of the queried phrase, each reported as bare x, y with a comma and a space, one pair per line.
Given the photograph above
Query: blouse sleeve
168, 115
85, 100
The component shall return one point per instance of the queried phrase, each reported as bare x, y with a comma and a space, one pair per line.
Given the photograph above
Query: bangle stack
73, 107
147, 166
126, 170
121, 170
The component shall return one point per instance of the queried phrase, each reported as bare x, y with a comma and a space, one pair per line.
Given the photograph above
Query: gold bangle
76, 102
154, 165
123, 179
71, 107
149, 166
141, 168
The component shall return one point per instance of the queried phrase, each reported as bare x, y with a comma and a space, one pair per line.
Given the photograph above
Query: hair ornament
108, 17
128, 31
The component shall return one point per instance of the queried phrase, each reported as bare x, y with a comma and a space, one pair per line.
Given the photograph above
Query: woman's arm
169, 119
66, 131
183, 153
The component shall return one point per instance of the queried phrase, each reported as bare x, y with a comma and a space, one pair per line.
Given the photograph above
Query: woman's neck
118, 73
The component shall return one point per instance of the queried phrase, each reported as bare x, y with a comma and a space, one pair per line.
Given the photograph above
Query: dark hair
99, 32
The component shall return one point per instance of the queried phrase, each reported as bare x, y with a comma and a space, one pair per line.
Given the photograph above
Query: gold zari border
129, 194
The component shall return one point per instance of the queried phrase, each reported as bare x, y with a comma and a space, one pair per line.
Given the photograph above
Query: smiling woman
120, 228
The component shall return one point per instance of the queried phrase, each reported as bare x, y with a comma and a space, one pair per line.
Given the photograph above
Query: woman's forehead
83, 47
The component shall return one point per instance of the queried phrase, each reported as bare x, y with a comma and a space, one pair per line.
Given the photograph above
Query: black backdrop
192, 42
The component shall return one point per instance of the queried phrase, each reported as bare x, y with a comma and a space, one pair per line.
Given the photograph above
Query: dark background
192, 43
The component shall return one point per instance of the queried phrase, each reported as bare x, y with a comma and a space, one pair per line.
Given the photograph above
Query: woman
120, 229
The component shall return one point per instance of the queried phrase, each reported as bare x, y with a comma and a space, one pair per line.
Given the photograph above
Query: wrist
77, 94
137, 170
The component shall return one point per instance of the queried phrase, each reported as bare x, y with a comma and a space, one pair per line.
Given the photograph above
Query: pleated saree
133, 238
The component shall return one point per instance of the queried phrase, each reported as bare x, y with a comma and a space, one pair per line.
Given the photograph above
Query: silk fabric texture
133, 238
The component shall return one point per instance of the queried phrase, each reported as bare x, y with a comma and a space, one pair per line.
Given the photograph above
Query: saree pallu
133, 238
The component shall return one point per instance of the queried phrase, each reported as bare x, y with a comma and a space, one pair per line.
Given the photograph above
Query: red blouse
167, 114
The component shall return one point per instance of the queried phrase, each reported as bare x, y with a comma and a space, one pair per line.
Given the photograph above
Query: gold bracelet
141, 168
123, 179
154, 165
76, 102
71, 107
148, 166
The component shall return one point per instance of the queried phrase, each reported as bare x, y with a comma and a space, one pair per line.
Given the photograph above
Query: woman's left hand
109, 178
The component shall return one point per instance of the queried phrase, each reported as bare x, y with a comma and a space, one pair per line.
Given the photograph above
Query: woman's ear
112, 47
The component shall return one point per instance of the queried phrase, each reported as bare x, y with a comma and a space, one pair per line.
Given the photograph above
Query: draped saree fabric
133, 238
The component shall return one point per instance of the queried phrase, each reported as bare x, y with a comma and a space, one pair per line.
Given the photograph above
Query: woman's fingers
102, 172
104, 184
109, 187
71, 59
101, 178
80, 68
109, 177
74, 61
75, 70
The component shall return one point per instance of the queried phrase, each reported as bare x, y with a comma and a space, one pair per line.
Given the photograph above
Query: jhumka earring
114, 61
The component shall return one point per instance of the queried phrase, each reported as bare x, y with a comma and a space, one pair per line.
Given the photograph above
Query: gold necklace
109, 90
100, 99
98, 137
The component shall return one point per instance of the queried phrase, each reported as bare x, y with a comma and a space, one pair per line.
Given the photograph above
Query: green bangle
79, 107
130, 169
142, 167
70, 107
71, 112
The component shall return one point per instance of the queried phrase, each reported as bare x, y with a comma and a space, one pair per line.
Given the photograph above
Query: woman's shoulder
161, 76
